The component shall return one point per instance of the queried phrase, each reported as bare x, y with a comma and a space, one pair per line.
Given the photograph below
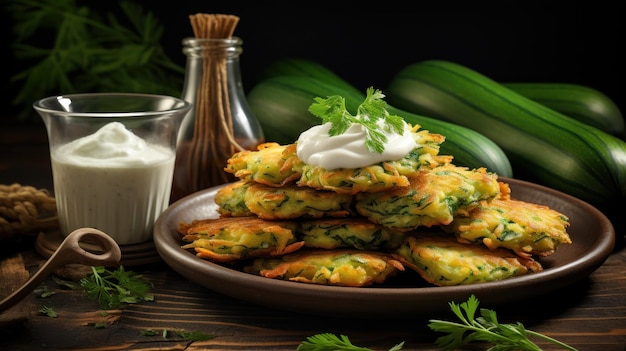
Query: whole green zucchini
543, 145
295, 66
580, 102
281, 105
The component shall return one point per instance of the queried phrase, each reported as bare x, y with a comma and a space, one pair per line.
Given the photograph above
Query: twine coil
213, 119
26, 210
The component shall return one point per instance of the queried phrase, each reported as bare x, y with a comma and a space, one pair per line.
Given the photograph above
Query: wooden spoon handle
71, 251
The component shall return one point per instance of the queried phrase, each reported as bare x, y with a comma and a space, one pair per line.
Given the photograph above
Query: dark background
368, 46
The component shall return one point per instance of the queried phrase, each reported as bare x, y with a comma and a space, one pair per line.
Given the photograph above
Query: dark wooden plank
590, 314
12, 275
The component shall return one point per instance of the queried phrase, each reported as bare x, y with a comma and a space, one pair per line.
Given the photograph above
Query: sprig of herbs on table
67, 46
471, 328
48, 311
372, 114
112, 288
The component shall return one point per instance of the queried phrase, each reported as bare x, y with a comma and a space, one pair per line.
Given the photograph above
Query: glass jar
112, 157
220, 122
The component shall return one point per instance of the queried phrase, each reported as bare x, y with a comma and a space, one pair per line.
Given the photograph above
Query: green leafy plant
68, 47
372, 114
331, 342
43, 291
112, 288
472, 328
48, 311
485, 328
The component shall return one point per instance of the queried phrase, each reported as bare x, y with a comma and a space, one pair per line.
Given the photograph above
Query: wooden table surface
589, 314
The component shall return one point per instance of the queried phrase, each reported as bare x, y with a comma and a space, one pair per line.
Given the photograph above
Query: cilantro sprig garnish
114, 288
331, 342
472, 328
372, 114
485, 328
48, 311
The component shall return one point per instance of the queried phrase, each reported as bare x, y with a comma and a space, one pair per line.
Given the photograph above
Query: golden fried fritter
271, 164
231, 199
526, 228
231, 239
353, 232
433, 197
277, 165
443, 261
382, 176
348, 267
291, 201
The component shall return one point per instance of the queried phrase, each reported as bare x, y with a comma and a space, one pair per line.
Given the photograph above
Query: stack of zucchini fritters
285, 219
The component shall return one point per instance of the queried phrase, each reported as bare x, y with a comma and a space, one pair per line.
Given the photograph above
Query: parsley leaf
485, 328
372, 114
114, 288
331, 342
473, 328
48, 311
43, 291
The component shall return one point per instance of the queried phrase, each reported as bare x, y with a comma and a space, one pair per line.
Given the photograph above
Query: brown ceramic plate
591, 232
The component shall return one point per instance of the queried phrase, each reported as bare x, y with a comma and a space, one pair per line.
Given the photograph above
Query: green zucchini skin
577, 101
281, 104
580, 102
295, 66
543, 145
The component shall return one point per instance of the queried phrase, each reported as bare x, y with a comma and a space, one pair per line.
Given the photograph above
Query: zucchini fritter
231, 199
433, 197
526, 228
443, 261
271, 164
347, 267
292, 201
353, 232
381, 176
230, 239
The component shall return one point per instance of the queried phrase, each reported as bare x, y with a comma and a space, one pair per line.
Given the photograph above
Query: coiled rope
26, 210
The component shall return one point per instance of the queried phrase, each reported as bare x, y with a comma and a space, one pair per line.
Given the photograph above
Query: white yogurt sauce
316, 147
114, 181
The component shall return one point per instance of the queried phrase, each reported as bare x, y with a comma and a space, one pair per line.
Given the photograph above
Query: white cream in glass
112, 160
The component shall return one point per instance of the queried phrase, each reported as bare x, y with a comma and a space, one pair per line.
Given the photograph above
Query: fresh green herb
372, 114
187, 335
331, 342
114, 288
151, 332
43, 291
99, 325
48, 311
194, 335
485, 328
67, 46
505, 337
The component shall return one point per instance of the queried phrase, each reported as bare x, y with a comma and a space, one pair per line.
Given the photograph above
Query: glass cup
112, 158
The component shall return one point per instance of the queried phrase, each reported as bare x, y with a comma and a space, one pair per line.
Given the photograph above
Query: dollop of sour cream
114, 146
316, 147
